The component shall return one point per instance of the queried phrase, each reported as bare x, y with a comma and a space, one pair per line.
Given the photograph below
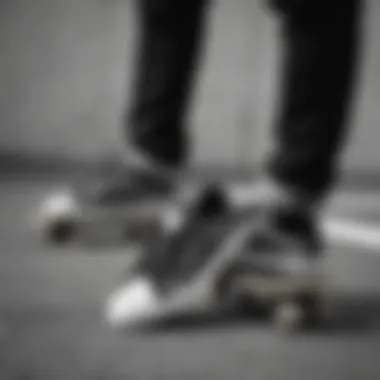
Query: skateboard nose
58, 204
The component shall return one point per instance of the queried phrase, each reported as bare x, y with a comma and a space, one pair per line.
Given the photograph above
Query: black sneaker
177, 272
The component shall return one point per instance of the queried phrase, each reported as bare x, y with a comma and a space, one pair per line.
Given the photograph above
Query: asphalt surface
51, 326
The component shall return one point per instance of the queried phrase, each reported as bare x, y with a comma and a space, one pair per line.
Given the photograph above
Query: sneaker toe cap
134, 302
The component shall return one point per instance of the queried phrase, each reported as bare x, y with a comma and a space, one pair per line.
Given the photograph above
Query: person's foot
176, 272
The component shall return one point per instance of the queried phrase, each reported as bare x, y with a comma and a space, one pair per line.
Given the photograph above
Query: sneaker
177, 272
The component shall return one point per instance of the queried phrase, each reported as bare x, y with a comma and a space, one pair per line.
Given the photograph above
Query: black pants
320, 39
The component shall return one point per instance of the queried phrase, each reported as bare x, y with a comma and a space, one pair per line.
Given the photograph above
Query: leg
283, 263
170, 32
320, 40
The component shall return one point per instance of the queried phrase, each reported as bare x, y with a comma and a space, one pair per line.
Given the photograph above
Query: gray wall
66, 64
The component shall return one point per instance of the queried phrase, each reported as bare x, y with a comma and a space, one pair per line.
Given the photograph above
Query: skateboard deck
125, 223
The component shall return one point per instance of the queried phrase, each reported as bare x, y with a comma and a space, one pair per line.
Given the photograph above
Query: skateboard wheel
58, 216
61, 231
288, 316
317, 310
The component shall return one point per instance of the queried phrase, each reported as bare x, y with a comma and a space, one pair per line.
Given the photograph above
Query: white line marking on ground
338, 230
361, 200
357, 233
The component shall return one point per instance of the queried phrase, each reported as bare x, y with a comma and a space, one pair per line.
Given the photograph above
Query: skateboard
62, 221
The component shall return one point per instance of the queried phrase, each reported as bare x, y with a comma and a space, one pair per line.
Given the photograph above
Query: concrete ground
51, 327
